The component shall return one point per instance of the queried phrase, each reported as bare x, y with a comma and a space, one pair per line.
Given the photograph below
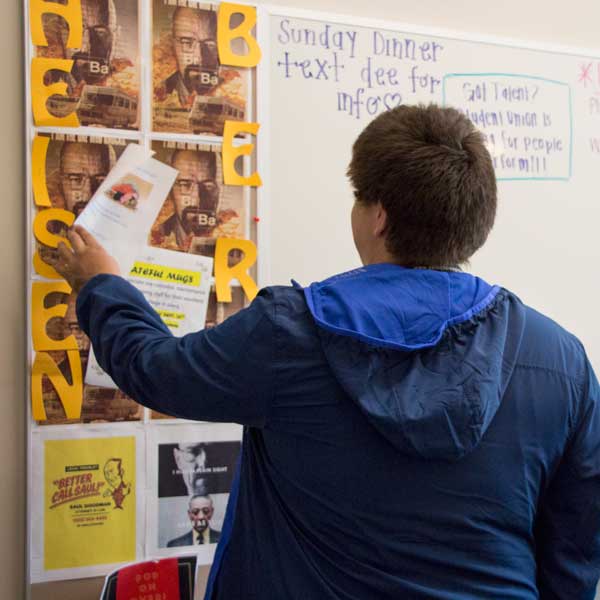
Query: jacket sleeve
568, 526
224, 374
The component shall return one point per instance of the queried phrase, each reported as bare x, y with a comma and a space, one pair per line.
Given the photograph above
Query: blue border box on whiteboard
527, 122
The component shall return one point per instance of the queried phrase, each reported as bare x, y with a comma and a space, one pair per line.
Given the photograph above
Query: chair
161, 579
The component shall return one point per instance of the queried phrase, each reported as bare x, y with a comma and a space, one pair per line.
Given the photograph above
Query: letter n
70, 394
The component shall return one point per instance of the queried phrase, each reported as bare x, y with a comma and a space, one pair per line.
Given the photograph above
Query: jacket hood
426, 355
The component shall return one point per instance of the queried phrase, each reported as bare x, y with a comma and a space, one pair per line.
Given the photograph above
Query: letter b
225, 35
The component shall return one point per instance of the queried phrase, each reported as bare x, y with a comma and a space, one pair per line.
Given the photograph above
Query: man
117, 488
194, 35
83, 167
410, 430
93, 60
200, 513
195, 198
191, 464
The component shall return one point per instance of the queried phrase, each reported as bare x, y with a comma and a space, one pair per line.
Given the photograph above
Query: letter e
231, 152
40, 92
70, 394
40, 316
70, 12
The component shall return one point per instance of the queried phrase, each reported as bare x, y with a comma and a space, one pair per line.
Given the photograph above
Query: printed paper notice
176, 285
89, 502
121, 212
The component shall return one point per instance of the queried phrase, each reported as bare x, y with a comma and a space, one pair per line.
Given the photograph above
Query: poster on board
199, 208
192, 470
192, 91
103, 84
86, 487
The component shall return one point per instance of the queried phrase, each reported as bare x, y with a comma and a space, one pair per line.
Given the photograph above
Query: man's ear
380, 220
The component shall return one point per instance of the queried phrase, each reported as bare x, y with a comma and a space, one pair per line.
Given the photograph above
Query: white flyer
121, 212
176, 285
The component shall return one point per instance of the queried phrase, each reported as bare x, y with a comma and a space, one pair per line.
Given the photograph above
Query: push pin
257, 219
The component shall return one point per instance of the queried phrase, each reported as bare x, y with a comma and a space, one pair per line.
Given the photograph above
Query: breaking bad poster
192, 92
103, 84
199, 208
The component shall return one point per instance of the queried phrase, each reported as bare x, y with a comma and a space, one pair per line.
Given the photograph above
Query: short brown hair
431, 171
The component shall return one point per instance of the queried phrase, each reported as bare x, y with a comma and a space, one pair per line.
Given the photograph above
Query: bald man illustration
195, 198
194, 34
93, 60
83, 167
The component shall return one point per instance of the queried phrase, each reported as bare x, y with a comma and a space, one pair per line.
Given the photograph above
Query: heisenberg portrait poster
103, 85
192, 92
199, 208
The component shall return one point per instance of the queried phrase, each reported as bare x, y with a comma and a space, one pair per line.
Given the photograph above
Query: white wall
573, 23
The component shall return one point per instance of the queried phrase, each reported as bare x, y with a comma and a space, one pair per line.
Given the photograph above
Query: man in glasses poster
193, 93
199, 208
103, 85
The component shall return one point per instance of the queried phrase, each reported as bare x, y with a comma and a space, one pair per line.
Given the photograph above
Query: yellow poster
89, 502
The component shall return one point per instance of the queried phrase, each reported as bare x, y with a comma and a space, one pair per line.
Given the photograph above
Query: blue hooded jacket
410, 434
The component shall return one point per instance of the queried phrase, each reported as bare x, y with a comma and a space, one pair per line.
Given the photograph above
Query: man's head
83, 167
425, 188
195, 192
113, 472
92, 61
200, 512
195, 46
191, 463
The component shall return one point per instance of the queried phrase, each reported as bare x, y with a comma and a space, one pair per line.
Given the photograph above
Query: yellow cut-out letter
40, 226
39, 150
40, 315
224, 273
42, 235
70, 394
40, 92
225, 35
231, 152
43, 269
70, 12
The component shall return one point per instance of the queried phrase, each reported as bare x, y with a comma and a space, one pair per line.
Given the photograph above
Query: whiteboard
324, 77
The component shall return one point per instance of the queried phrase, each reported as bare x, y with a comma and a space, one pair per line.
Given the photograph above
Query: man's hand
87, 259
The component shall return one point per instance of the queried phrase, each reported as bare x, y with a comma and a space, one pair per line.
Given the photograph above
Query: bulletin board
327, 76
110, 482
